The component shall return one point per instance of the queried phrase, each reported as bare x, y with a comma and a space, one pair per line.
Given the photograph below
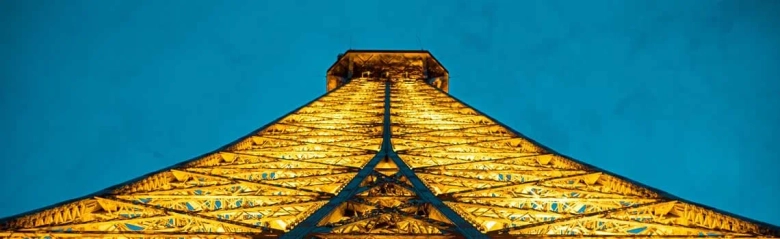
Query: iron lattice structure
385, 153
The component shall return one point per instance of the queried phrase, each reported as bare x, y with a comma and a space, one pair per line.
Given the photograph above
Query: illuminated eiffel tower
386, 153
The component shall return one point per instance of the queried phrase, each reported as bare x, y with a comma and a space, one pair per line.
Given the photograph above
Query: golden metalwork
385, 153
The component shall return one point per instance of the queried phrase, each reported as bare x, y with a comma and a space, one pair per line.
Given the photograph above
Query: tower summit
386, 64
385, 153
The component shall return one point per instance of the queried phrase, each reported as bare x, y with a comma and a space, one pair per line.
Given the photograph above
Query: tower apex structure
387, 64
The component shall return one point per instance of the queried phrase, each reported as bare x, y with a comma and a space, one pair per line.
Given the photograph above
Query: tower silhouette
385, 153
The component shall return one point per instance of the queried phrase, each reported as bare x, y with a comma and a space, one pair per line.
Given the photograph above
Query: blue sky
679, 95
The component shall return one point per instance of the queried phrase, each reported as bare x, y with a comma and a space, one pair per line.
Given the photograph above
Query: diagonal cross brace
309, 225
463, 226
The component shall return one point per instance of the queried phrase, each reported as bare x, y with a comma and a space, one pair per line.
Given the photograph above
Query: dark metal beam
308, 225
464, 227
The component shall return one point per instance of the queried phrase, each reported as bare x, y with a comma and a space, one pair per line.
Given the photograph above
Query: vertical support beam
350, 71
308, 225
425, 68
463, 226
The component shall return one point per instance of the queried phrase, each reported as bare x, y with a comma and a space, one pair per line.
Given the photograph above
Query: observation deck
388, 65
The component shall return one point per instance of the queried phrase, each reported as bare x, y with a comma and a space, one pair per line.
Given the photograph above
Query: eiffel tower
385, 153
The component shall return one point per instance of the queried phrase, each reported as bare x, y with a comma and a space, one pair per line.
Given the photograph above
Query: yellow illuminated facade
385, 153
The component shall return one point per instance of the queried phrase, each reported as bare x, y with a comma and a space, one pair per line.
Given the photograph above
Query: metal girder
376, 158
396, 203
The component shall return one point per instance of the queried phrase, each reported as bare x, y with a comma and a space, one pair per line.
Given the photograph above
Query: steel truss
382, 158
